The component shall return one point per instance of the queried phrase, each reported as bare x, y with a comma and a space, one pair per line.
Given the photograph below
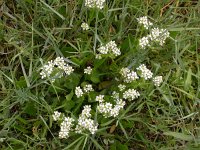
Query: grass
33, 32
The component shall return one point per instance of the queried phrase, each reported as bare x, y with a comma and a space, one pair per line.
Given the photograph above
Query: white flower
145, 73
56, 115
98, 56
79, 129
124, 71
59, 63
159, 35
108, 110
157, 80
65, 127
78, 91
128, 75
47, 69
109, 48
105, 109
112, 47
156, 35
86, 111
84, 121
63, 134
86, 124
100, 98
115, 111
144, 21
88, 70
94, 3
121, 87
85, 26
144, 42
88, 88
115, 95
131, 77
68, 69
103, 50
131, 94
120, 103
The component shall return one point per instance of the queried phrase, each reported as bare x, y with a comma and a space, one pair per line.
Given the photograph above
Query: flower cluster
98, 56
159, 35
56, 115
105, 109
85, 26
47, 69
88, 70
65, 127
109, 48
95, 3
85, 122
144, 21
155, 35
100, 98
115, 95
131, 94
87, 88
58, 64
86, 111
145, 72
78, 91
128, 75
121, 87
157, 80
144, 42
108, 110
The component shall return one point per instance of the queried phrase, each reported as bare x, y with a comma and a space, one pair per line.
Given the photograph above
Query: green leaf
180, 136
30, 109
69, 96
173, 34
69, 105
96, 144
21, 83
122, 127
98, 63
91, 97
73, 143
188, 80
79, 103
127, 124
106, 122
20, 128
105, 84
79, 144
68, 51
3, 133
72, 81
118, 146
95, 77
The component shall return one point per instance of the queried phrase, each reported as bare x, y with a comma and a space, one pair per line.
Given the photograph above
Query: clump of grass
35, 32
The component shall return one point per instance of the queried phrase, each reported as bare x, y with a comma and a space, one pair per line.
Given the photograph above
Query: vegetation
141, 112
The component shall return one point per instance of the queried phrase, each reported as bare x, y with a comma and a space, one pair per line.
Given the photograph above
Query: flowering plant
101, 92
99, 74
